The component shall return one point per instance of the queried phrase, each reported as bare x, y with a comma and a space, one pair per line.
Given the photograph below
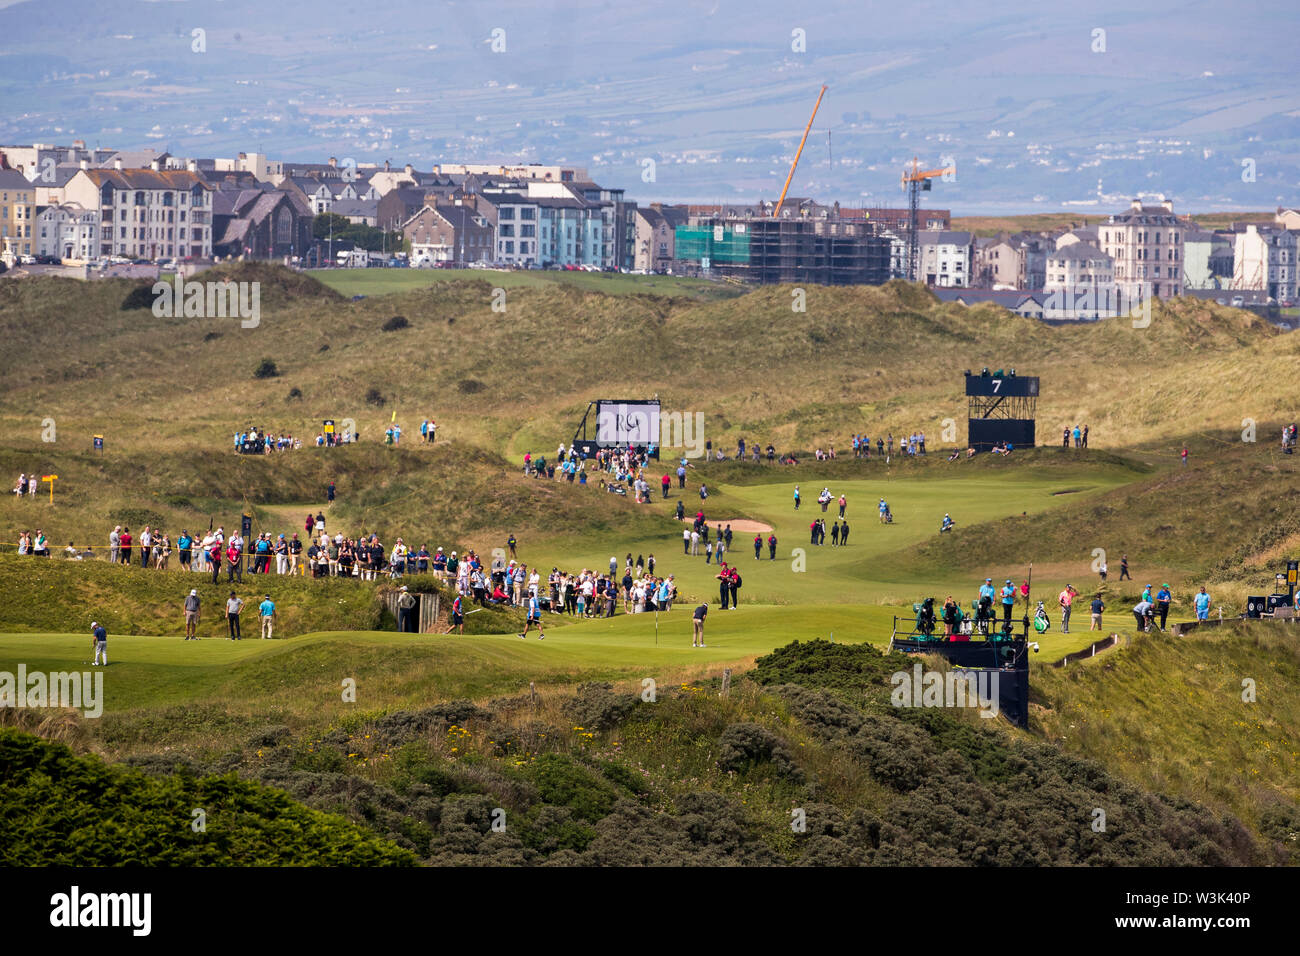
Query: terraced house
17, 216
147, 213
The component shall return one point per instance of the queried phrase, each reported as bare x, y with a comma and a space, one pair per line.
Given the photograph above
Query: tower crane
915, 181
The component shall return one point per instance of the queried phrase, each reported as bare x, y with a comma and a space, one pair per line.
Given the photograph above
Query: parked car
1238, 301
27, 260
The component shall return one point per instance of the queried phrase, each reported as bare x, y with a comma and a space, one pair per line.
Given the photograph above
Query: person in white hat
99, 641
192, 615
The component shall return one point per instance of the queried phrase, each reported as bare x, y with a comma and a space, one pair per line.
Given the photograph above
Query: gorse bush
694, 779
746, 745
60, 809
267, 369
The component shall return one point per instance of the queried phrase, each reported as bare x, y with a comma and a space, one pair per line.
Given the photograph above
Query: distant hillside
1049, 221
864, 358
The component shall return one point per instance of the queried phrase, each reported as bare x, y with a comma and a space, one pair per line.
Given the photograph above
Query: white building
1264, 259
945, 258
517, 224
1080, 283
67, 231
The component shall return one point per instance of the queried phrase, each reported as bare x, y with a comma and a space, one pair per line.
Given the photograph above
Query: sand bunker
742, 525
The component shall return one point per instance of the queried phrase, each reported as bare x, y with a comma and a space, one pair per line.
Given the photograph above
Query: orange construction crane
914, 181
784, 189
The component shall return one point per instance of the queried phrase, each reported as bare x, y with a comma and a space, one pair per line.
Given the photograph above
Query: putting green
806, 574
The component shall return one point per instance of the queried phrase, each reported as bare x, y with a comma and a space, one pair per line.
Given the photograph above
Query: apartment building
17, 216
997, 263
147, 213
1207, 259
522, 171
655, 227
518, 228
945, 257
37, 161
67, 231
1080, 283
1264, 260
1146, 245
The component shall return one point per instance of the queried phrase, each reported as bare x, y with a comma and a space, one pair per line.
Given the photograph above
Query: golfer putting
99, 643
697, 638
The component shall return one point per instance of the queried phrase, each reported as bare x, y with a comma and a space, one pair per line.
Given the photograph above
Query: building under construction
819, 250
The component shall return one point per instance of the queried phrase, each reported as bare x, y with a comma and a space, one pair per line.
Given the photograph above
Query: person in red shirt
234, 564
665, 481
124, 543
724, 589
733, 584
214, 559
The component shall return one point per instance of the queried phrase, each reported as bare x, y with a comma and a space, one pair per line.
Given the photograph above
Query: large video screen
621, 423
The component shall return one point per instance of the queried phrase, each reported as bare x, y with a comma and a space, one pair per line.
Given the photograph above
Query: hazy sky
1040, 106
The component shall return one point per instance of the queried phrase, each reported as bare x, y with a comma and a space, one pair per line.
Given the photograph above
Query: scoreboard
1009, 386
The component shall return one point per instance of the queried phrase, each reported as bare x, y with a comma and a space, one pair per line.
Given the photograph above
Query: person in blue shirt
1146, 593
796, 497
1202, 604
266, 614
987, 590
1008, 600
185, 545
1162, 604
534, 617
99, 642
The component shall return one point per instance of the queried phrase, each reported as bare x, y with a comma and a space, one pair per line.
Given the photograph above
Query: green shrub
745, 745
559, 780
63, 810
597, 707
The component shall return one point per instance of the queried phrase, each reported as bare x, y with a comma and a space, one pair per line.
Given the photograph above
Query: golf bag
1041, 621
